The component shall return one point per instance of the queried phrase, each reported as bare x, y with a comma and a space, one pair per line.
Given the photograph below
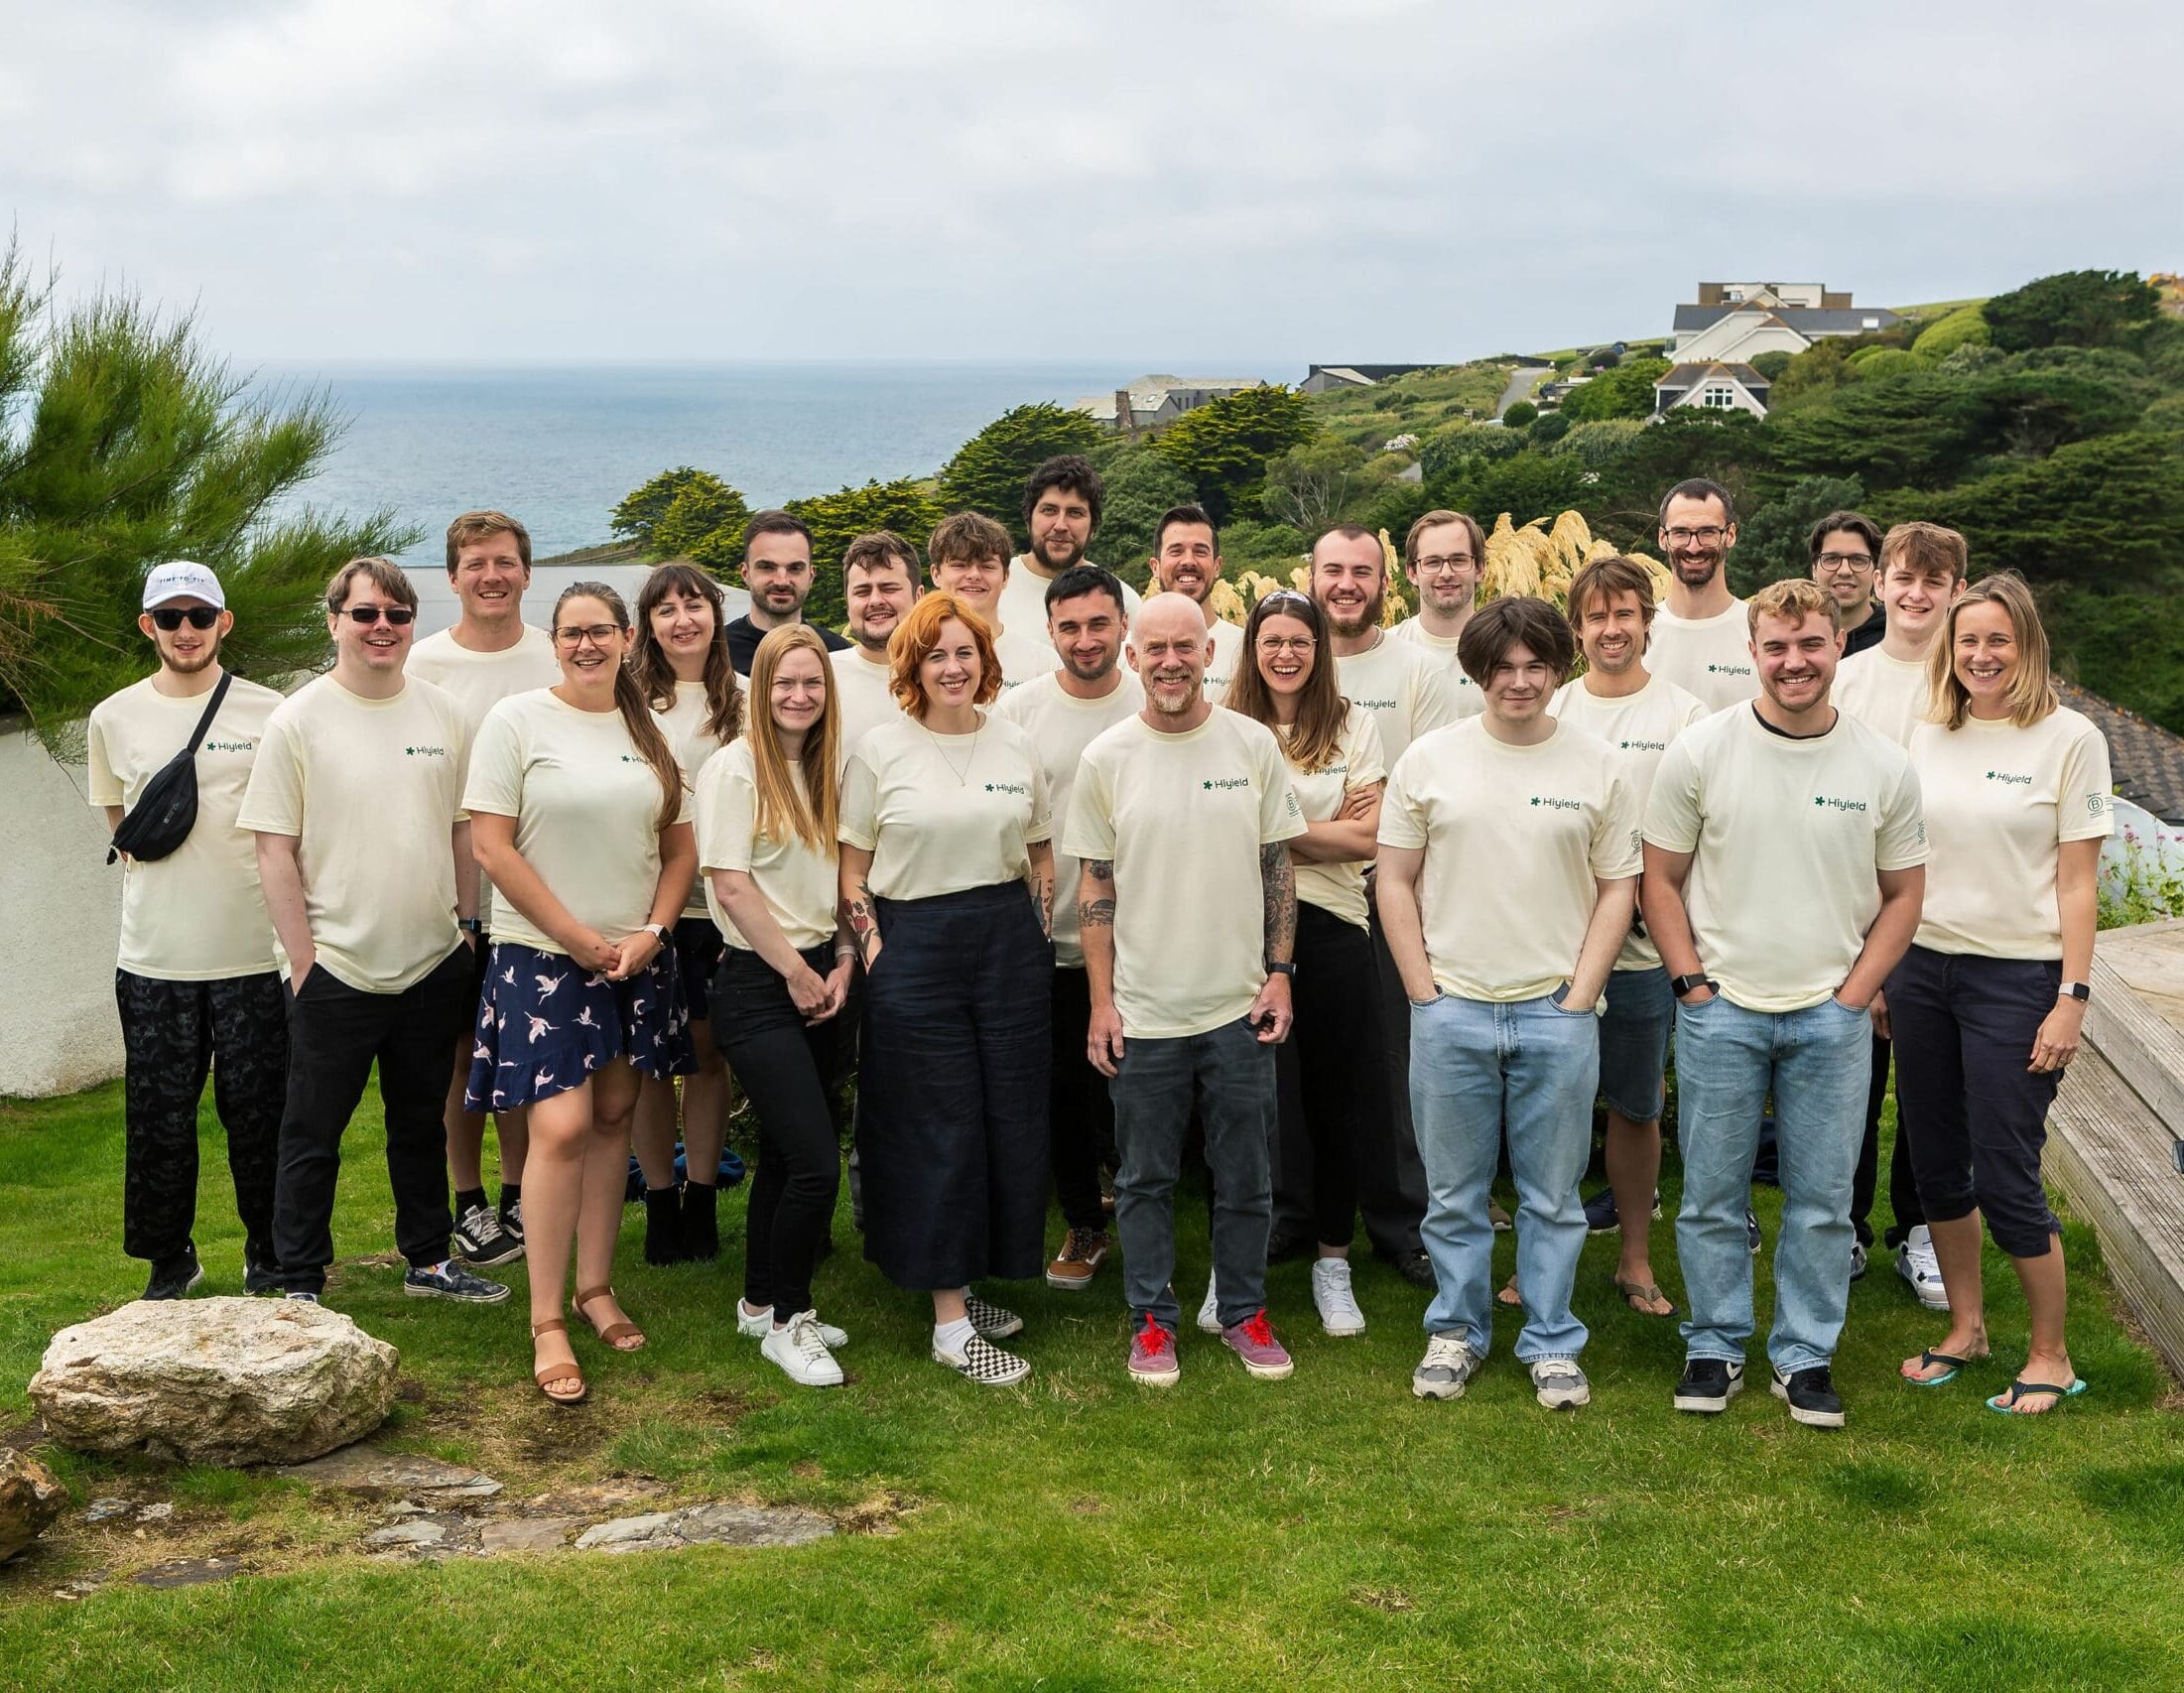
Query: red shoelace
1257, 1330
1155, 1339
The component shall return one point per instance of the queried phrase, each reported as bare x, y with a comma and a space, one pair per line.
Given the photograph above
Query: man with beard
1786, 793
489, 654
968, 555
1186, 561
1700, 638
1062, 505
1846, 550
1189, 974
879, 583
1444, 556
197, 976
777, 570
1063, 712
1407, 692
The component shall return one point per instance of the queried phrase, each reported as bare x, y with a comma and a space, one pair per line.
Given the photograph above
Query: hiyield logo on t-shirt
425, 751
232, 747
2009, 777
1017, 788
1729, 668
1557, 803
1838, 803
1225, 783
1643, 746
1375, 704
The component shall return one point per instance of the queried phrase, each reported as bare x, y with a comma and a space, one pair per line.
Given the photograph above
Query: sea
559, 445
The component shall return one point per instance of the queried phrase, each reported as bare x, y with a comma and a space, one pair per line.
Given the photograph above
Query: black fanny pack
167, 810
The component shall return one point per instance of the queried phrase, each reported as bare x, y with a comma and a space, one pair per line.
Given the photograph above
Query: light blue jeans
1477, 1066
1816, 1063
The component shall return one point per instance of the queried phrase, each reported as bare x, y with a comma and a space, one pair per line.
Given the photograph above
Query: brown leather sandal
553, 1373
1638, 1296
614, 1332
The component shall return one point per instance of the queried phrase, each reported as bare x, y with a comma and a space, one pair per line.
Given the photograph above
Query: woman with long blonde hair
768, 808
1986, 1006
681, 661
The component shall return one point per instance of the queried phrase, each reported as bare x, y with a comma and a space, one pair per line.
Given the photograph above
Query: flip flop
2005, 1403
1632, 1293
1930, 1356
1509, 1297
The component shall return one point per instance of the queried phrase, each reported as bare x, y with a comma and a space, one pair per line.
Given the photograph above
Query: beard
1700, 573
1366, 618
871, 640
1056, 561
1172, 705
198, 661
1095, 673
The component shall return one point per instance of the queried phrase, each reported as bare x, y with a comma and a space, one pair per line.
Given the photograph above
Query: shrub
1771, 364
1965, 327
1520, 415
1549, 428
1599, 444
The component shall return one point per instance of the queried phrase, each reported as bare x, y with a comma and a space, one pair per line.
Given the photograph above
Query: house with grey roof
1738, 322
1154, 402
1325, 378
1713, 385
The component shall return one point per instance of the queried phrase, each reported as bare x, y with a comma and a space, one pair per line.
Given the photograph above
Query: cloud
1197, 184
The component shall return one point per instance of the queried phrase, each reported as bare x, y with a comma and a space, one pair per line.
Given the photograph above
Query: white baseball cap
183, 580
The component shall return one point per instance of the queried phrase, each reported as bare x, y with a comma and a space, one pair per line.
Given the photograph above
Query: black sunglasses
395, 614
170, 617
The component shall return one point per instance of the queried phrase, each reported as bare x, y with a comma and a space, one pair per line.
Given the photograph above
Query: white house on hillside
1739, 321
1154, 402
1714, 386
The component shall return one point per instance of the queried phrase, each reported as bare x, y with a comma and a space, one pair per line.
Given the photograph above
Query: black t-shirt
1867, 633
744, 636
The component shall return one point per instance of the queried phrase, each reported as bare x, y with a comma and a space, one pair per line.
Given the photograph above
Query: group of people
1072, 880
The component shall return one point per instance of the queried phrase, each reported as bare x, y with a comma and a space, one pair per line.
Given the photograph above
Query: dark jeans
171, 1034
1228, 1074
1904, 1189
334, 1033
1964, 1028
1080, 1115
951, 1119
1391, 1179
1330, 1105
783, 1064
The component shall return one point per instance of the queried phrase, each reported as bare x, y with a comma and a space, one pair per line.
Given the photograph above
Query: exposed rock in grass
229, 1382
373, 1470
31, 1497
189, 1572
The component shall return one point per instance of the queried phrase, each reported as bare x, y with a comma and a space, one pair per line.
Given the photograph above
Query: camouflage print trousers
172, 1033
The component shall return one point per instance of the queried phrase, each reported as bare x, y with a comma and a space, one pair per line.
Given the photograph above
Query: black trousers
1080, 1111
1904, 1189
1978, 1117
1330, 1102
172, 1033
335, 1032
783, 1065
952, 1129
1391, 1180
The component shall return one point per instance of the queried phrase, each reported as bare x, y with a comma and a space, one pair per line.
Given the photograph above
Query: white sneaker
1339, 1313
1448, 1365
1559, 1385
1209, 1314
1917, 1264
801, 1351
757, 1325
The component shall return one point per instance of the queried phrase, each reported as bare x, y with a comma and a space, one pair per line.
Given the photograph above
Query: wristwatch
470, 925
657, 931
1681, 985
2078, 990
1282, 966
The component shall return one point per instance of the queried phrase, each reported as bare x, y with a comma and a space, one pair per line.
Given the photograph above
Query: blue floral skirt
544, 1025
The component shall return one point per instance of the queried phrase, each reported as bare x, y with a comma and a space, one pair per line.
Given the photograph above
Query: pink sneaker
1153, 1355
1252, 1340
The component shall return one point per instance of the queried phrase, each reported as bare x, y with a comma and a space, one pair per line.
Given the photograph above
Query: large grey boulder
31, 1497
229, 1382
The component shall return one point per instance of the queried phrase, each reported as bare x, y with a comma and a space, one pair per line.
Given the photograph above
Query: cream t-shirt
196, 915
1515, 840
1228, 657
1023, 603
1786, 837
799, 884
1639, 727
371, 790
1465, 699
1882, 693
1999, 801
1182, 818
1707, 656
1061, 726
1406, 691
866, 701
478, 681
587, 807
694, 748
1338, 890
1023, 658
942, 813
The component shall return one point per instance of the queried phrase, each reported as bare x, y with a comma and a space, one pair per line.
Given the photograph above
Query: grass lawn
1081, 1532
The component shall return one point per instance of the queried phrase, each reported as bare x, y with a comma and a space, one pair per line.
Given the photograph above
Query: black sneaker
260, 1274
451, 1280
511, 1219
481, 1239
1600, 1215
1858, 1260
299, 1297
1414, 1267
1811, 1396
1752, 1230
1280, 1248
175, 1278
1709, 1384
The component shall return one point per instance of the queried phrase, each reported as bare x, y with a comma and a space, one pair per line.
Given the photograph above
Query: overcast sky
1166, 186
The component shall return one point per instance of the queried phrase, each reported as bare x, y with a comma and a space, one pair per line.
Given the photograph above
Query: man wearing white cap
196, 975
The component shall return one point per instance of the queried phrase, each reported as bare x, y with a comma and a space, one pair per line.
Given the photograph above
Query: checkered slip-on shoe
985, 1362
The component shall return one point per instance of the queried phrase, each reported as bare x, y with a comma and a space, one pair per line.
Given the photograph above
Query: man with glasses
1700, 639
489, 654
1186, 561
195, 977
364, 857
778, 573
1444, 555
1845, 548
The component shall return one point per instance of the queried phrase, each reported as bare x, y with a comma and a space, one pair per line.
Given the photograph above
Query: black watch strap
1681, 985
1282, 966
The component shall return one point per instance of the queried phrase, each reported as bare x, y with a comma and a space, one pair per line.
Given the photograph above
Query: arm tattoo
1278, 877
863, 930
1098, 913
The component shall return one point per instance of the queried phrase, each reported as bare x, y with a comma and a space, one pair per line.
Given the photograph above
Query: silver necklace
962, 776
